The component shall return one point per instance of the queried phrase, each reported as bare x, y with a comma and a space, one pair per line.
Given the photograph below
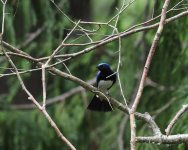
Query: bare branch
163, 139
98, 43
176, 118
124, 6
164, 107
147, 118
68, 18
144, 75
52, 123
54, 100
3, 19
150, 55
123, 34
32, 36
43, 64
121, 132
60, 46
44, 86
133, 132
114, 102
118, 68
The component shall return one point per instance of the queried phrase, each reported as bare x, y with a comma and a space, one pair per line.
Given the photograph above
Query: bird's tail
99, 105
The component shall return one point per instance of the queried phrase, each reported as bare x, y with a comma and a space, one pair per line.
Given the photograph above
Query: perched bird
104, 80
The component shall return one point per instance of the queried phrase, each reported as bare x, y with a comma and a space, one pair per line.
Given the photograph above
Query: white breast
104, 85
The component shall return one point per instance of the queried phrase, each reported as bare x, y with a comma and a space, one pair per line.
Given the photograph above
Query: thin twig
144, 74
61, 45
176, 118
52, 123
150, 55
163, 108
121, 10
44, 86
118, 68
152, 19
98, 43
32, 36
88, 87
121, 132
123, 34
3, 19
45, 67
54, 100
117, 18
68, 18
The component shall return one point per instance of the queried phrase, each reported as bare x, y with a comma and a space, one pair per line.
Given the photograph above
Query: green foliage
14, 89
29, 130
19, 128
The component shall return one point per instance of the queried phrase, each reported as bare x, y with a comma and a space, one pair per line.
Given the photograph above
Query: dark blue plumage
105, 80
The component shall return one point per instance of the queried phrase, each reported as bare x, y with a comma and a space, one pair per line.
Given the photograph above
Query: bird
105, 79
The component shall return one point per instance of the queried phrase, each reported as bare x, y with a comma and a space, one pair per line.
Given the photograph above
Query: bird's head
103, 67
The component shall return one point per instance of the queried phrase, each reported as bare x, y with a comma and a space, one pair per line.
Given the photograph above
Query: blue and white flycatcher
105, 80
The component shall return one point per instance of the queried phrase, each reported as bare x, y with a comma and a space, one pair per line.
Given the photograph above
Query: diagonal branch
124, 34
45, 67
87, 86
61, 45
144, 74
147, 118
52, 123
120, 106
54, 100
150, 55
176, 118
84, 85
97, 44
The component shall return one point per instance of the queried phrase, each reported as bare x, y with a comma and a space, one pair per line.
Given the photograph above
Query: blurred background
38, 27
